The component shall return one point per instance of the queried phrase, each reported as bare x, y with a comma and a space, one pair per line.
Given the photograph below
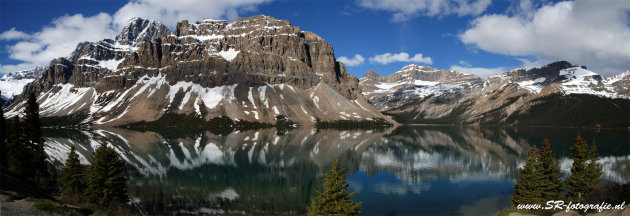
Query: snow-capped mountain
253, 69
11, 84
503, 98
410, 82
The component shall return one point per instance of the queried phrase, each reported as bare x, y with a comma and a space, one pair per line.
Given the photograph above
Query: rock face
254, 69
425, 95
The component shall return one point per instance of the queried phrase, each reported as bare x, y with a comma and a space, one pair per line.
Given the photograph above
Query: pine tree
72, 175
3, 139
577, 183
335, 199
528, 189
551, 177
107, 183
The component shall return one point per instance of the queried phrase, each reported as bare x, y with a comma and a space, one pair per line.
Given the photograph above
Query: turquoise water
411, 170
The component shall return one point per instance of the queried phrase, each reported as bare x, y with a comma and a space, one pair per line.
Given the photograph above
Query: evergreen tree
593, 169
3, 139
35, 142
528, 189
577, 182
72, 175
335, 199
551, 177
32, 124
107, 183
18, 158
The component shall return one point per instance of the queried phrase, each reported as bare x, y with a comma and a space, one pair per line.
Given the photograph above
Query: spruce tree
577, 183
107, 183
593, 169
551, 177
528, 188
335, 199
72, 175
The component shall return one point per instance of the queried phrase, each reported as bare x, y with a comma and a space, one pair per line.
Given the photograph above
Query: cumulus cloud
387, 58
405, 9
479, 71
592, 33
13, 34
170, 12
64, 33
357, 60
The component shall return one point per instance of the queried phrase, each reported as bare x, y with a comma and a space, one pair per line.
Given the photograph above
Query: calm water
412, 170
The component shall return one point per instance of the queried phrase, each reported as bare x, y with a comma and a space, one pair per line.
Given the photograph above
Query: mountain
11, 84
251, 69
556, 94
410, 82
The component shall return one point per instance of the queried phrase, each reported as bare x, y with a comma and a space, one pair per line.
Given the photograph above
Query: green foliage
68, 121
593, 170
284, 124
72, 175
181, 125
578, 182
52, 207
527, 189
107, 183
575, 110
353, 124
551, 182
18, 156
335, 199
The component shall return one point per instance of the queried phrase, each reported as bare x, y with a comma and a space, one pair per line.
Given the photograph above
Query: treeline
353, 124
541, 180
27, 171
171, 123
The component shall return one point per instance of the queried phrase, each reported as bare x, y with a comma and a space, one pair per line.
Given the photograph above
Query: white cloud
61, 37
170, 12
17, 67
479, 71
464, 63
357, 60
387, 58
406, 9
13, 34
592, 33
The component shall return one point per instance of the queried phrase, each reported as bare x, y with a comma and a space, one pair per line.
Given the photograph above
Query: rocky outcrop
254, 69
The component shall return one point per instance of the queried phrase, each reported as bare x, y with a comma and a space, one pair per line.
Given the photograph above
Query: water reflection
406, 170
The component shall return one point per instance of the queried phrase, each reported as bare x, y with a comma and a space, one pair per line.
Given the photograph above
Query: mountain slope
556, 94
253, 69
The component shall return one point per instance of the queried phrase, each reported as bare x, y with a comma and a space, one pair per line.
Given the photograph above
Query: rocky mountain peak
371, 75
140, 30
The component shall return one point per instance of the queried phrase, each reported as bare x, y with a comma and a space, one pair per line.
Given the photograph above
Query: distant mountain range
260, 67
558, 93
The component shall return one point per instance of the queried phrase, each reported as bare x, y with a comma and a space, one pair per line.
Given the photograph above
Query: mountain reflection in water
408, 170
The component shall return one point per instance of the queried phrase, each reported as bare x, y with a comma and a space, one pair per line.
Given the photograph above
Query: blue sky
481, 37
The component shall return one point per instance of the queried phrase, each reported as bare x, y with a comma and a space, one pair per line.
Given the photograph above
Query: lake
409, 170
